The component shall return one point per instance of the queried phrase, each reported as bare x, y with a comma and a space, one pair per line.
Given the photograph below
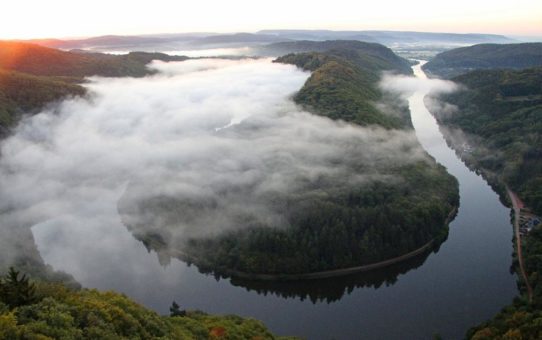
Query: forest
331, 223
32, 76
44, 310
457, 61
502, 111
522, 319
500, 115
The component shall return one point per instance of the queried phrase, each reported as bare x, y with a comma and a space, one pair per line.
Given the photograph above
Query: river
465, 282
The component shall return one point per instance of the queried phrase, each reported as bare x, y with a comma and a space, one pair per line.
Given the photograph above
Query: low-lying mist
219, 133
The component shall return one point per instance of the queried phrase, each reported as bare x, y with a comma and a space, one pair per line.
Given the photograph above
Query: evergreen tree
16, 291
175, 310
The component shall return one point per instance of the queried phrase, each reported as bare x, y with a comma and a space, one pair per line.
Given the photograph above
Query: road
518, 205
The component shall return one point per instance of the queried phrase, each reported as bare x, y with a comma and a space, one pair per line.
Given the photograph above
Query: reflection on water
466, 282
333, 289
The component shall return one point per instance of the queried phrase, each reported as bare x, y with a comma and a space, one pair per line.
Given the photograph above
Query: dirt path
518, 205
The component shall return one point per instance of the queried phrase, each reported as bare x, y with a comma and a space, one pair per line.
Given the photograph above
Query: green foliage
16, 290
43, 61
462, 60
175, 310
340, 228
62, 313
32, 76
365, 55
521, 320
503, 110
329, 223
20, 93
342, 87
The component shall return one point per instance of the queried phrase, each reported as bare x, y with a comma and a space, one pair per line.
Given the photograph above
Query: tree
16, 291
175, 310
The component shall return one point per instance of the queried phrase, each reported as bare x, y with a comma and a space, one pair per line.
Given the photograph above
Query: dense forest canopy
32, 76
42, 310
462, 60
371, 57
522, 319
501, 112
330, 222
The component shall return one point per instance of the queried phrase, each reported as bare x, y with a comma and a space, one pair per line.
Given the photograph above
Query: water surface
463, 283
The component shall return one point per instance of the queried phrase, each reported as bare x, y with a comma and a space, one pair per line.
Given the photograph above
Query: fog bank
220, 133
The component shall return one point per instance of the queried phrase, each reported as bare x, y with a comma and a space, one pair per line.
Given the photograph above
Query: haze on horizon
26, 19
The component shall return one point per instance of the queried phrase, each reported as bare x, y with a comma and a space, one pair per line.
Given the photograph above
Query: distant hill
32, 76
485, 56
159, 42
179, 41
370, 56
237, 38
43, 61
392, 37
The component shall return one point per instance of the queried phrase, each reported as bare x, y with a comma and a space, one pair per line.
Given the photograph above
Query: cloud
406, 86
221, 139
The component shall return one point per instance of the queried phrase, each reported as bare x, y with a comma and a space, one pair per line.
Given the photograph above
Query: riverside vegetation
495, 124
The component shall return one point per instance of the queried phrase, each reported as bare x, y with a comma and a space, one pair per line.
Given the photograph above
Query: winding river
446, 291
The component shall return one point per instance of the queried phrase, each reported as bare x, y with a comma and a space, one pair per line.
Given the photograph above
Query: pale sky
71, 18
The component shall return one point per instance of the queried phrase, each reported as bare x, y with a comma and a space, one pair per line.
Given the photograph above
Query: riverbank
320, 274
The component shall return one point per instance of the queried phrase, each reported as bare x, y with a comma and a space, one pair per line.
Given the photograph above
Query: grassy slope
62, 313
484, 56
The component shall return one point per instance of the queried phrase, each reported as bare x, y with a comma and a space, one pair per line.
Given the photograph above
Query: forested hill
344, 85
369, 56
329, 221
497, 128
484, 56
501, 113
43, 61
32, 76
39, 310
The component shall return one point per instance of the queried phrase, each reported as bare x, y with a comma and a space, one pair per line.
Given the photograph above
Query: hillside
368, 56
32, 76
390, 37
496, 128
43, 61
42, 310
484, 56
20, 93
520, 320
501, 115
343, 86
327, 223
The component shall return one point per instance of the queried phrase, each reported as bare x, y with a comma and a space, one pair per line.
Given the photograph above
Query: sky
24, 19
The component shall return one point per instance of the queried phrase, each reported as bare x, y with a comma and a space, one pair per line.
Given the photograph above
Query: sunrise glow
62, 18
